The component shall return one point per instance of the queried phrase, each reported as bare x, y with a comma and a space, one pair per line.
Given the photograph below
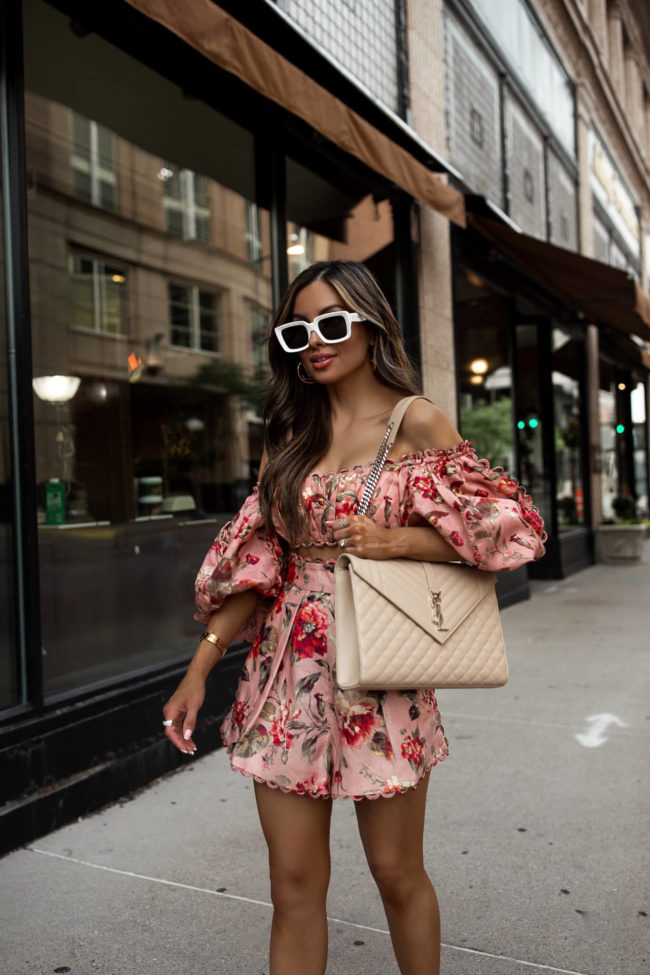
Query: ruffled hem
313, 794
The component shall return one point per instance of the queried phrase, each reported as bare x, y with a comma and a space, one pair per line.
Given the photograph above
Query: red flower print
243, 528
255, 649
239, 712
291, 573
345, 505
280, 734
481, 493
424, 486
507, 485
252, 559
358, 719
535, 522
310, 630
455, 539
413, 750
312, 786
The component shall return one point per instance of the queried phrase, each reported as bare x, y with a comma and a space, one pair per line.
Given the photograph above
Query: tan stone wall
425, 43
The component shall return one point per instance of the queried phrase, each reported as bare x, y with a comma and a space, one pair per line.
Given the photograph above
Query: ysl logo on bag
435, 598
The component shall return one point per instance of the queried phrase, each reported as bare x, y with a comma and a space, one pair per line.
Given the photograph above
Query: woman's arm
183, 706
365, 538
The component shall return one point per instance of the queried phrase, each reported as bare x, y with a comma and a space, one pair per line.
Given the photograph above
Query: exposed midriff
324, 552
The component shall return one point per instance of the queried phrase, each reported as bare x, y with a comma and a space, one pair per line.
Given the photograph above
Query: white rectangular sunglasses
334, 326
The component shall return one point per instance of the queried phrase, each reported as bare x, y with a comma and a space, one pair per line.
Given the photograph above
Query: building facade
158, 196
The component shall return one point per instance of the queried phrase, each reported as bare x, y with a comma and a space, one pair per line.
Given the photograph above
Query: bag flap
457, 589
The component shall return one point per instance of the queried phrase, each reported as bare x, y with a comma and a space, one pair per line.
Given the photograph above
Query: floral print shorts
293, 728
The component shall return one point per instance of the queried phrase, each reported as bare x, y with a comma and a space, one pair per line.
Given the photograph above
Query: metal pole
19, 358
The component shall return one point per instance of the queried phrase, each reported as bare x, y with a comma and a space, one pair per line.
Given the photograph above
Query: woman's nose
314, 340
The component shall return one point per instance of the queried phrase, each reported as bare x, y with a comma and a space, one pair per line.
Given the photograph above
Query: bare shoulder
425, 426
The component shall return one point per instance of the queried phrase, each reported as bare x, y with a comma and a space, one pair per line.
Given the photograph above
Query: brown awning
604, 294
234, 48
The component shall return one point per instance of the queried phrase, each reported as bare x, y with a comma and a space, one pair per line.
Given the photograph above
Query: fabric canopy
227, 43
604, 294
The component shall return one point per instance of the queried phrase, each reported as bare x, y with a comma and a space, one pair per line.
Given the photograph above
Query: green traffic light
521, 425
533, 422
620, 428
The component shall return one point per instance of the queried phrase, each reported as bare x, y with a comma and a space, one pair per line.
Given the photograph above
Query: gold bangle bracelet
214, 640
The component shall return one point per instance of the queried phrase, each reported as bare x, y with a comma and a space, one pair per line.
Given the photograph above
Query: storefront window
639, 427
484, 372
9, 689
150, 295
609, 476
568, 358
531, 415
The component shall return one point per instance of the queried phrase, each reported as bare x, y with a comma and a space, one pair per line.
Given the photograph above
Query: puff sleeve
243, 556
483, 512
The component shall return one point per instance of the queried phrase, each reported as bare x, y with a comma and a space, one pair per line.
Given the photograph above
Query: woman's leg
297, 830
391, 832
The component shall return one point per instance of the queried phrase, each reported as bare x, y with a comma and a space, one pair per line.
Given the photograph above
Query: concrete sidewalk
536, 839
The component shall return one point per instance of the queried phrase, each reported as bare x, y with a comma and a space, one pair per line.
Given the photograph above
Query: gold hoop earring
308, 381
373, 357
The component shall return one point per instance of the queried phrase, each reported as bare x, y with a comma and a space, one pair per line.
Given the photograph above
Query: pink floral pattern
290, 725
293, 728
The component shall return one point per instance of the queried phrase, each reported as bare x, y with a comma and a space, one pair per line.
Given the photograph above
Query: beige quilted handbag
402, 624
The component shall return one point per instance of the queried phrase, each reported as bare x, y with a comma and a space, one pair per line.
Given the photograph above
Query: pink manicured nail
187, 734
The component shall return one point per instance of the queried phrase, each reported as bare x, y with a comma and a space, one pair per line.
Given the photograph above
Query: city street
536, 839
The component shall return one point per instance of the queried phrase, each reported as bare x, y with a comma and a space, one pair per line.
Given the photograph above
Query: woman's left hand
361, 536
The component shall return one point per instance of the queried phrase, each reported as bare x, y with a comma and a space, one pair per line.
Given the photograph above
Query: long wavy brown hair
297, 415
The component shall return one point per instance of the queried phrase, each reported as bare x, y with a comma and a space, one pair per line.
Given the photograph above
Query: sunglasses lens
296, 337
334, 328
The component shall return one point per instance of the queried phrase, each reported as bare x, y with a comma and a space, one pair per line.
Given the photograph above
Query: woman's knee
299, 888
397, 879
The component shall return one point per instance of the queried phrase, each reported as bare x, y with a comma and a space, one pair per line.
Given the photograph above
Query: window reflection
92, 161
568, 358
341, 221
529, 419
609, 477
149, 288
98, 295
638, 407
482, 324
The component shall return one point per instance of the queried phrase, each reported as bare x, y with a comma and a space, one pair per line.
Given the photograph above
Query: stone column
633, 96
598, 21
427, 89
585, 207
615, 51
585, 204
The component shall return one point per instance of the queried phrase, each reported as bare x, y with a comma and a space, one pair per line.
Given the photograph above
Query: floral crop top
483, 512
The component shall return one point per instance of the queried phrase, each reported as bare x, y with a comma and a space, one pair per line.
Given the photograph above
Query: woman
337, 373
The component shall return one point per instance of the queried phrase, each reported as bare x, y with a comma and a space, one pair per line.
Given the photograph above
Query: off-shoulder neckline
462, 447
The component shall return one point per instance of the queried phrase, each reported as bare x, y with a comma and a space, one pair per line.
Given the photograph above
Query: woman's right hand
182, 709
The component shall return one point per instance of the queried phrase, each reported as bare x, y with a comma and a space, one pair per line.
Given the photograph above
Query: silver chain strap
373, 477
